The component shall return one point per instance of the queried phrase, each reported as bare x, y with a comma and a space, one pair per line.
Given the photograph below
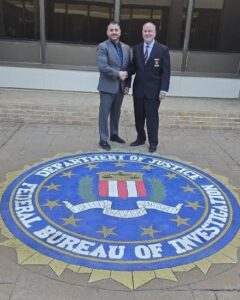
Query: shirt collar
149, 45
115, 44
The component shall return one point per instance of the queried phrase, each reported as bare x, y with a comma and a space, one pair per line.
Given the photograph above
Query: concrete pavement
24, 144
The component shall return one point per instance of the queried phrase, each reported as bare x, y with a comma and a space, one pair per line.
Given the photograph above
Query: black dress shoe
105, 145
116, 138
137, 143
152, 148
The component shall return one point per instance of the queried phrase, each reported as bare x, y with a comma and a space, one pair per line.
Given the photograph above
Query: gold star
148, 168
107, 231
171, 176
70, 221
193, 205
51, 204
91, 166
67, 174
181, 221
120, 164
52, 186
187, 188
149, 231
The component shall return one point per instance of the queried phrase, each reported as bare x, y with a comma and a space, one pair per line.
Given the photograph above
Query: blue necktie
119, 52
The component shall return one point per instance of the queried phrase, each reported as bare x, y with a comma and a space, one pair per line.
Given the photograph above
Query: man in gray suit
113, 58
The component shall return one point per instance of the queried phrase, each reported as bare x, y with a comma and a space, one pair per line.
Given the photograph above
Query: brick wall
82, 108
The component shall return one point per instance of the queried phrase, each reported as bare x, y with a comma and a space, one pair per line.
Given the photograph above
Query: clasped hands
122, 75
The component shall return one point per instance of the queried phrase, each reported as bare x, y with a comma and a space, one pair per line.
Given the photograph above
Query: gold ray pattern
97, 275
203, 265
7, 233
38, 259
166, 274
58, 266
125, 278
23, 253
230, 252
74, 268
142, 277
12, 243
84, 270
189, 267
235, 242
179, 269
220, 258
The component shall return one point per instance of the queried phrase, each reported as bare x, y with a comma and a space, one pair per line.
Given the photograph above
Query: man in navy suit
151, 64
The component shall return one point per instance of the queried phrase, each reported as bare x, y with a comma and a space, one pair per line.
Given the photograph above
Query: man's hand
123, 75
126, 91
162, 95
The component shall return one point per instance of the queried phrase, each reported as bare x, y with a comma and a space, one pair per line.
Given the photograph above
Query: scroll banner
134, 213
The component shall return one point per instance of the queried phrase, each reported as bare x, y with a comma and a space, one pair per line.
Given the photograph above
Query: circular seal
120, 211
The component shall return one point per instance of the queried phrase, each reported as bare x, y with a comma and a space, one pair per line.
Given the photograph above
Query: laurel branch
158, 189
85, 189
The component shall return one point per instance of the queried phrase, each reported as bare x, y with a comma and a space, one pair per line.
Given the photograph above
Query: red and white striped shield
121, 184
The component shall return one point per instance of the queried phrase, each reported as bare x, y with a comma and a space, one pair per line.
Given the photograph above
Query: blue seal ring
120, 211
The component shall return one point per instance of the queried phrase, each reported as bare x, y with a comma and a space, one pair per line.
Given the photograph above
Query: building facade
203, 35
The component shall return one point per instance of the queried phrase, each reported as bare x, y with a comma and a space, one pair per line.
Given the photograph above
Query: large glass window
135, 13
205, 25
78, 21
167, 15
19, 19
215, 25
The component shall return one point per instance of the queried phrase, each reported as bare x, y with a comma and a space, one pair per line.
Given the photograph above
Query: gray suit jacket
109, 65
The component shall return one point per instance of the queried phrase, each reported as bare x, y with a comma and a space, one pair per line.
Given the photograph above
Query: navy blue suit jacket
154, 75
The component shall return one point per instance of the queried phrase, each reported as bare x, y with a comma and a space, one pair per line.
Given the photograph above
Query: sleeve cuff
164, 92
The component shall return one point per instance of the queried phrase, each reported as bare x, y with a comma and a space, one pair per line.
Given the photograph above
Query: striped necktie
146, 54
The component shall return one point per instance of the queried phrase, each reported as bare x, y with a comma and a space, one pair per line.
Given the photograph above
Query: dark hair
113, 23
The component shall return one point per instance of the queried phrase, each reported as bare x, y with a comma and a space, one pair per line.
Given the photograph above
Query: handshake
122, 75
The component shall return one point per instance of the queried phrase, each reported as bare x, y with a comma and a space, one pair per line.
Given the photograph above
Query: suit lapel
113, 51
141, 54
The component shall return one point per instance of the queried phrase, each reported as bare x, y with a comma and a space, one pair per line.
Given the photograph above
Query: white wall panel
86, 81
